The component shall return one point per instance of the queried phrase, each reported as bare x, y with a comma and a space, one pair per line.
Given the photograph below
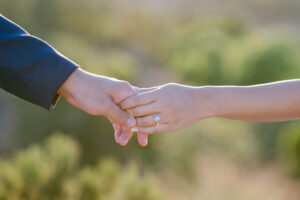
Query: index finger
138, 100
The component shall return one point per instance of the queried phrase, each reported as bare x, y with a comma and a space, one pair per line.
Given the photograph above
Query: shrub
51, 171
224, 53
289, 148
196, 52
271, 60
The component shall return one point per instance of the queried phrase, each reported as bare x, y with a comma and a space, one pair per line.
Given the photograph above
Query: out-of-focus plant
225, 138
289, 147
103, 40
228, 53
195, 52
270, 59
52, 171
95, 58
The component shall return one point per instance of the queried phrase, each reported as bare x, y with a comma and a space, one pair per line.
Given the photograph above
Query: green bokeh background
151, 43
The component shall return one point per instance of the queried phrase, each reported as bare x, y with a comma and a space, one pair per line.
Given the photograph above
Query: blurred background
67, 154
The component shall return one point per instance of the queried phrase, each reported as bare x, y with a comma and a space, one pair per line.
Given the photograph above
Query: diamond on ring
156, 118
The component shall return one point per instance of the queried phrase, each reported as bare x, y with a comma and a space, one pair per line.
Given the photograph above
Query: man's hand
99, 95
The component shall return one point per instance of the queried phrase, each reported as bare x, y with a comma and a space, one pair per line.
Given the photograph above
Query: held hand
123, 137
178, 107
98, 95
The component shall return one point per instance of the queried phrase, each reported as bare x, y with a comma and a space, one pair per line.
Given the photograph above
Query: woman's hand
124, 133
177, 105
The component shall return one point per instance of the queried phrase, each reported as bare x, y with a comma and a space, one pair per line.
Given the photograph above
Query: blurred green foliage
193, 50
288, 147
52, 171
227, 52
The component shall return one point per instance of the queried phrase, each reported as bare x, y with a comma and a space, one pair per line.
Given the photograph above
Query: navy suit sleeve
29, 67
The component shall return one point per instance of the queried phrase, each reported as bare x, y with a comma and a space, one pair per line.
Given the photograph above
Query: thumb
119, 116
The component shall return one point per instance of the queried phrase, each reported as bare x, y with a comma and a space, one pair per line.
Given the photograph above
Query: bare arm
180, 106
276, 101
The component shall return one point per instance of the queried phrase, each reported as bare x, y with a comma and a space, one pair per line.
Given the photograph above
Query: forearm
276, 101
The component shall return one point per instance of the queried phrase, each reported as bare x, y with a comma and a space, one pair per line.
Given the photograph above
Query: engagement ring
156, 118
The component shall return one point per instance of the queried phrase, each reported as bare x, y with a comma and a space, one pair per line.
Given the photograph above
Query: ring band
156, 118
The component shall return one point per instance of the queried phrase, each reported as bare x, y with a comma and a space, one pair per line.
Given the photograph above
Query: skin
180, 106
100, 95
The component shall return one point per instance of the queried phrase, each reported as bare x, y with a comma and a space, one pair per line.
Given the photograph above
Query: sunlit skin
180, 106
99, 95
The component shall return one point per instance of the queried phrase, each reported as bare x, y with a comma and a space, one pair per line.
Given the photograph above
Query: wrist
70, 87
218, 100
206, 104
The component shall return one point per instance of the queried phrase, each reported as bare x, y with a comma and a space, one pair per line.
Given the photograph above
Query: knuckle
124, 87
124, 84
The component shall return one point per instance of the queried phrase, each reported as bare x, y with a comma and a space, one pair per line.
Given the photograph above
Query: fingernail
134, 129
123, 140
131, 121
143, 139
